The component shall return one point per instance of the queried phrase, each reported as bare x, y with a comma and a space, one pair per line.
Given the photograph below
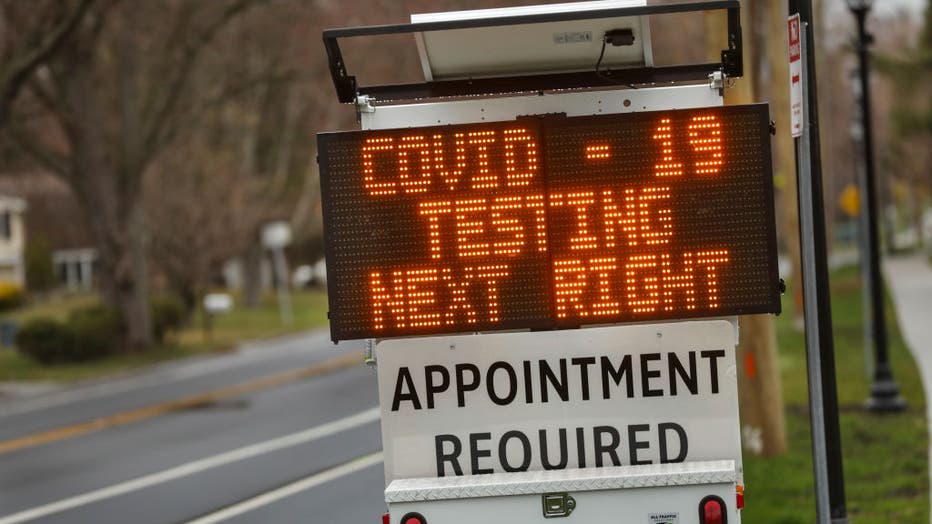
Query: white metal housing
655, 494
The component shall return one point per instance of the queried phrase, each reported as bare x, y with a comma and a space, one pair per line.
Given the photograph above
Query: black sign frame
769, 285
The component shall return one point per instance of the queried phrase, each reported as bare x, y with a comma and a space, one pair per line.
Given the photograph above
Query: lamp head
859, 5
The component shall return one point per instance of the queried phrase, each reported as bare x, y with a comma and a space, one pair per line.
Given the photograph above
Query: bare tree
250, 160
205, 211
118, 92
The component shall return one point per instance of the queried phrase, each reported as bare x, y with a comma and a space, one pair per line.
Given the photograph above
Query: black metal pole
885, 394
826, 343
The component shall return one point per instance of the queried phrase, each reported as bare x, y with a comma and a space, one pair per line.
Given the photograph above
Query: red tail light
712, 511
413, 518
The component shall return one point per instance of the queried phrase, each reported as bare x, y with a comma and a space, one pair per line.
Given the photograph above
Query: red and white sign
796, 73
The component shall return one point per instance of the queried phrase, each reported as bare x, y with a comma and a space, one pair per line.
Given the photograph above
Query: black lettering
547, 375
525, 448
584, 363
609, 371
544, 454
634, 444
512, 386
452, 457
647, 374
462, 386
684, 443
713, 356
432, 388
690, 380
611, 448
528, 386
475, 453
581, 447
404, 379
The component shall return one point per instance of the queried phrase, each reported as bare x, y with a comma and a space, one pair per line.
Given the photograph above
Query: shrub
40, 273
11, 295
45, 340
96, 331
89, 334
168, 315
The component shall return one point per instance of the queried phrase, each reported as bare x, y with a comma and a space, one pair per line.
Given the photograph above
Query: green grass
885, 456
310, 311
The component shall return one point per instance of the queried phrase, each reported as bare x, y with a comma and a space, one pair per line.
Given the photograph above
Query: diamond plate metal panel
575, 480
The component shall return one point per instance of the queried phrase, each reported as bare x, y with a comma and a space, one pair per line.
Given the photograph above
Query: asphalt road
304, 451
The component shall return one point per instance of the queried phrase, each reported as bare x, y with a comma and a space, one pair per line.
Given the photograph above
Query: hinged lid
457, 69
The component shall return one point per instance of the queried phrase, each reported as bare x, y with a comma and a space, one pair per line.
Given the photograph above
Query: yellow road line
136, 415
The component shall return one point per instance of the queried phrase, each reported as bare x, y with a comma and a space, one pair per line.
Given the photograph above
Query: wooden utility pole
759, 390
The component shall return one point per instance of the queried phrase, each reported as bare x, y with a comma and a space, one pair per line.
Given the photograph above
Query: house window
5, 226
62, 268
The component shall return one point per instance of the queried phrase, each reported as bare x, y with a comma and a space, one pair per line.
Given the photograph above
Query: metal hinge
717, 81
370, 353
364, 104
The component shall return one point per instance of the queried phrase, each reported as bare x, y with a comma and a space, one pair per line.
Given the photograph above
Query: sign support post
812, 302
820, 348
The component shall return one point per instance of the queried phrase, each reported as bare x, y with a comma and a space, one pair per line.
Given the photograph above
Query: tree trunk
123, 274
110, 197
759, 392
134, 297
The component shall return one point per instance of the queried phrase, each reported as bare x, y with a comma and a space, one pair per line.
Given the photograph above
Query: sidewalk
909, 278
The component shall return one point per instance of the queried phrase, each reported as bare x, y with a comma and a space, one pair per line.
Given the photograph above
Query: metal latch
557, 505
364, 104
370, 353
717, 80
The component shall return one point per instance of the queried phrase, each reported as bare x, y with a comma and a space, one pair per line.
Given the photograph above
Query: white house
12, 240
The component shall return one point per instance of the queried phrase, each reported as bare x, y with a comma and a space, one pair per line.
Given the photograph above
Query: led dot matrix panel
549, 222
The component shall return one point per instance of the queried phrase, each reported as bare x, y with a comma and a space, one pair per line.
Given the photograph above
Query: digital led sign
549, 222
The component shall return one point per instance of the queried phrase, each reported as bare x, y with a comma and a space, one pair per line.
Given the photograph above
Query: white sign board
597, 397
796, 76
276, 235
216, 303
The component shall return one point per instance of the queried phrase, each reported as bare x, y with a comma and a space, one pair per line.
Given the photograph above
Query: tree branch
17, 70
159, 117
47, 99
225, 95
49, 159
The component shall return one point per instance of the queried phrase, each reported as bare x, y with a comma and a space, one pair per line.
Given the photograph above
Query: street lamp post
885, 393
